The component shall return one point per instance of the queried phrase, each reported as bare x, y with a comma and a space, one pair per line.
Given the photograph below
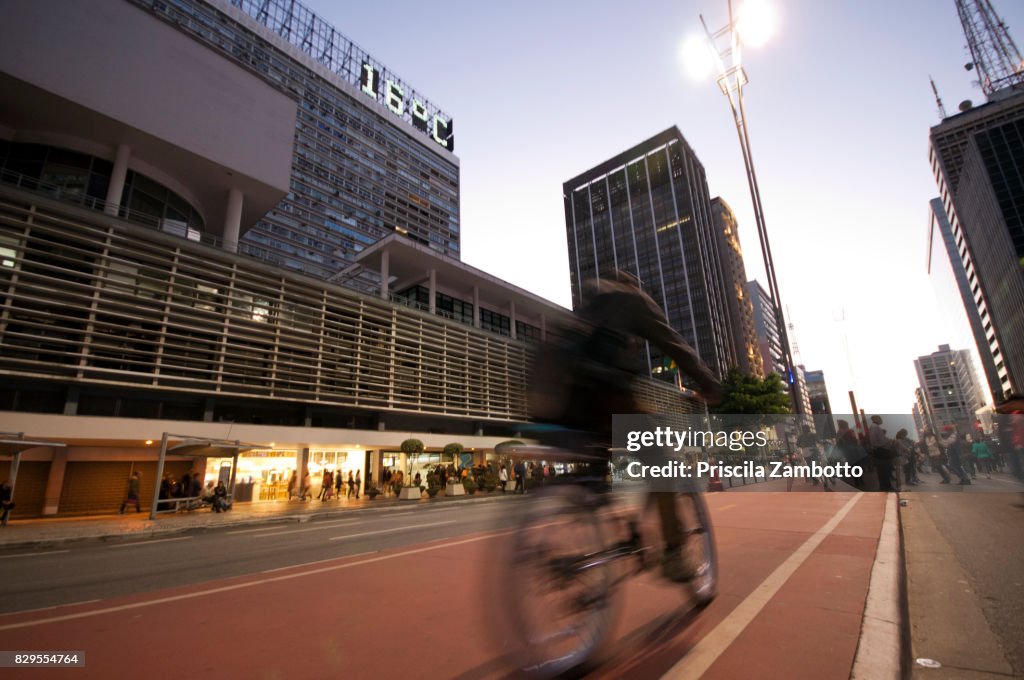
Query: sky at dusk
838, 107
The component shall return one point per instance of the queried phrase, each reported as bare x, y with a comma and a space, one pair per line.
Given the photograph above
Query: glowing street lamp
753, 24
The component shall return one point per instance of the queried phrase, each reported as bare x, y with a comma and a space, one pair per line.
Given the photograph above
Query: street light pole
731, 80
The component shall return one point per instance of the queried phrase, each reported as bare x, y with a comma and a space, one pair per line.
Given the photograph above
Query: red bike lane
427, 611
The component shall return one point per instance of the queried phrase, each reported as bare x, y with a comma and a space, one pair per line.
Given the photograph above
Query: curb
879, 650
311, 516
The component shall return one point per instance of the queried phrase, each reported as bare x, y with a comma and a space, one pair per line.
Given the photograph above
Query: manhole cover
929, 663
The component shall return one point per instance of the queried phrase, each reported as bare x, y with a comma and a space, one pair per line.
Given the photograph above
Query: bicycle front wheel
699, 548
563, 607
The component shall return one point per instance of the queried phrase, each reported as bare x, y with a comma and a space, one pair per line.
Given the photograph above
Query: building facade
766, 326
949, 386
647, 211
357, 153
739, 327
953, 289
976, 157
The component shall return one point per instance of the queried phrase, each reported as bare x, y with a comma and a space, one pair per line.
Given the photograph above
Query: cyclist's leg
674, 565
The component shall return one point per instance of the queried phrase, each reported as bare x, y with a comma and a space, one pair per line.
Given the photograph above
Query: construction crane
994, 55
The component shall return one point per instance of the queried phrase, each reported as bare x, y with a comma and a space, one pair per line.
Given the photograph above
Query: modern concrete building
250, 124
949, 386
127, 312
976, 157
647, 211
739, 328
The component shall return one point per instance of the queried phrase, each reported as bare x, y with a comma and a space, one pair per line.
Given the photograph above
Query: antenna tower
938, 100
993, 52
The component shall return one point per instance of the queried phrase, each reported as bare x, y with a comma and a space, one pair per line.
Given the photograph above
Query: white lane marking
390, 531
248, 531
49, 552
330, 559
321, 527
159, 540
249, 584
699, 659
1013, 482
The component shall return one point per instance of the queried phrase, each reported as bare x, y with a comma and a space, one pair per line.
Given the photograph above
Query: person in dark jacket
617, 318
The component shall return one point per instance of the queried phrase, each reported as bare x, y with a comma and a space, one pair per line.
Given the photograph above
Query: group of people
960, 451
188, 487
331, 484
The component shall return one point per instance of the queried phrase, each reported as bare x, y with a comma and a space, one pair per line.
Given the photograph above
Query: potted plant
469, 484
433, 484
490, 479
371, 490
454, 487
411, 447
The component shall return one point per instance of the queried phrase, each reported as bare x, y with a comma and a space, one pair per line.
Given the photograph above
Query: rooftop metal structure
993, 52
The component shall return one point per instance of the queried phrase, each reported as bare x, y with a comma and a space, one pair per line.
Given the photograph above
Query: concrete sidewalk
43, 532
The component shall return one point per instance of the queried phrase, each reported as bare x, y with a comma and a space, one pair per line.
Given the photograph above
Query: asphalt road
84, 571
419, 592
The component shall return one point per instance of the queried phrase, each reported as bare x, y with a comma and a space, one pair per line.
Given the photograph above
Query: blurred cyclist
603, 362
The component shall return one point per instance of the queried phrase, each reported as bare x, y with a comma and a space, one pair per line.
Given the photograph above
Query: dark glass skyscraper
978, 160
648, 211
371, 156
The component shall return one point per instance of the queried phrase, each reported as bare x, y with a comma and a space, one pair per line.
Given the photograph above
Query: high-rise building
976, 157
133, 157
647, 211
739, 328
949, 386
953, 289
920, 412
365, 154
820, 408
766, 326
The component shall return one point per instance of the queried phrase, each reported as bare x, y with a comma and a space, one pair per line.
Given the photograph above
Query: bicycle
571, 550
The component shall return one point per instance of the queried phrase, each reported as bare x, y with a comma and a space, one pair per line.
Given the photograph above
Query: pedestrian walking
955, 444
503, 478
132, 498
359, 483
307, 487
293, 485
936, 453
520, 471
351, 485
6, 501
881, 454
983, 454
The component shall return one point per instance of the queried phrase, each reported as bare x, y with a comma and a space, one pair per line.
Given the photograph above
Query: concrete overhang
35, 116
409, 263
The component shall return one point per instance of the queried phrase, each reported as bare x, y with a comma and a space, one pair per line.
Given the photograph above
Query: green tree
761, 400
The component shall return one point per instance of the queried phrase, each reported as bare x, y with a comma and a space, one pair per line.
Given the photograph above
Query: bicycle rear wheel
698, 546
562, 610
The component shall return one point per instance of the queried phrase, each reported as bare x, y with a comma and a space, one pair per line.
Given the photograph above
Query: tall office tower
740, 313
953, 289
977, 156
949, 386
648, 211
818, 392
920, 412
766, 325
369, 155
820, 408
